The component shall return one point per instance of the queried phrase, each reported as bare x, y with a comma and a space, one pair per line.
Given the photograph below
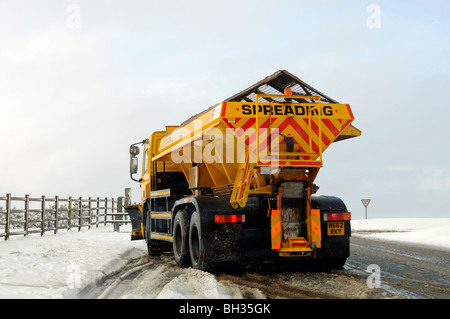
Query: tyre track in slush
254, 285
145, 277
272, 288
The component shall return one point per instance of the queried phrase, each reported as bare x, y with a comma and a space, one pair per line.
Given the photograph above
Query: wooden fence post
69, 214
56, 213
26, 215
89, 213
80, 213
119, 211
116, 226
8, 215
106, 211
127, 196
43, 215
98, 208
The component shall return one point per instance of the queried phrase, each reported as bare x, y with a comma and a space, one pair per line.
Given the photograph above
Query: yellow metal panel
154, 214
218, 175
156, 236
349, 132
189, 132
296, 242
164, 192
315, 228
295, 252
275, 222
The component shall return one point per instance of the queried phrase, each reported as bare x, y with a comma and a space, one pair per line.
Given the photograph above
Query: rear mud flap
136, 222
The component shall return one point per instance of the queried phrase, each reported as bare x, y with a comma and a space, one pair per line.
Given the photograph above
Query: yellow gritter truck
235, 184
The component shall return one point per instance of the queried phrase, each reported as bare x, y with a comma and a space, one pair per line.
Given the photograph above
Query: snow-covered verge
421, 231
59, 266
62, 265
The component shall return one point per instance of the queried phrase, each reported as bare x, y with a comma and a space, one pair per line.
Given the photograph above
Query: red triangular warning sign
365, 202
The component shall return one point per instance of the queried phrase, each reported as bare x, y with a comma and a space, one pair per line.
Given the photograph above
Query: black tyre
337, 263
181, 239
154, 247
196, 245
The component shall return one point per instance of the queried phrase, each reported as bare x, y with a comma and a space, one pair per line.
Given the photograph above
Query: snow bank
58, 266
423, 231
61, 265
195, 284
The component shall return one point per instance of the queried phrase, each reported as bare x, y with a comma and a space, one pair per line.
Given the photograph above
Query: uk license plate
335, 229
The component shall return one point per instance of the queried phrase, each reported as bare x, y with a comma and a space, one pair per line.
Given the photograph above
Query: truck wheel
154, 247
181, 239
337, 263
196, 246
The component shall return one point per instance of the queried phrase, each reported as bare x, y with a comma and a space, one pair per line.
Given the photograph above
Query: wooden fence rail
43, 214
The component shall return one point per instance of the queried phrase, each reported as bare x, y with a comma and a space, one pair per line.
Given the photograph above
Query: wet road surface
404, 269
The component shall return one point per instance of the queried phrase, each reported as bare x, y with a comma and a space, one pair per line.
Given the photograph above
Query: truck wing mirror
133, 165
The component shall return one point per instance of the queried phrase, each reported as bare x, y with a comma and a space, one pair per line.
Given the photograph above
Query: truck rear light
229, 219
331, 217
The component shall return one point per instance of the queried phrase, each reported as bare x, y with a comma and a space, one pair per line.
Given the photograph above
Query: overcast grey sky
82, 80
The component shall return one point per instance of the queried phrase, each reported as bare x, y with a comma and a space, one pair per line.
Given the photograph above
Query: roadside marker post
365, 202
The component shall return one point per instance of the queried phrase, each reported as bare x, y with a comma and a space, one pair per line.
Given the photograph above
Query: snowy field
59, 266
420, 231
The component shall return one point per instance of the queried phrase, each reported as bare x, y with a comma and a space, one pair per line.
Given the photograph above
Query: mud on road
406, 272
160, 277
286, 283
